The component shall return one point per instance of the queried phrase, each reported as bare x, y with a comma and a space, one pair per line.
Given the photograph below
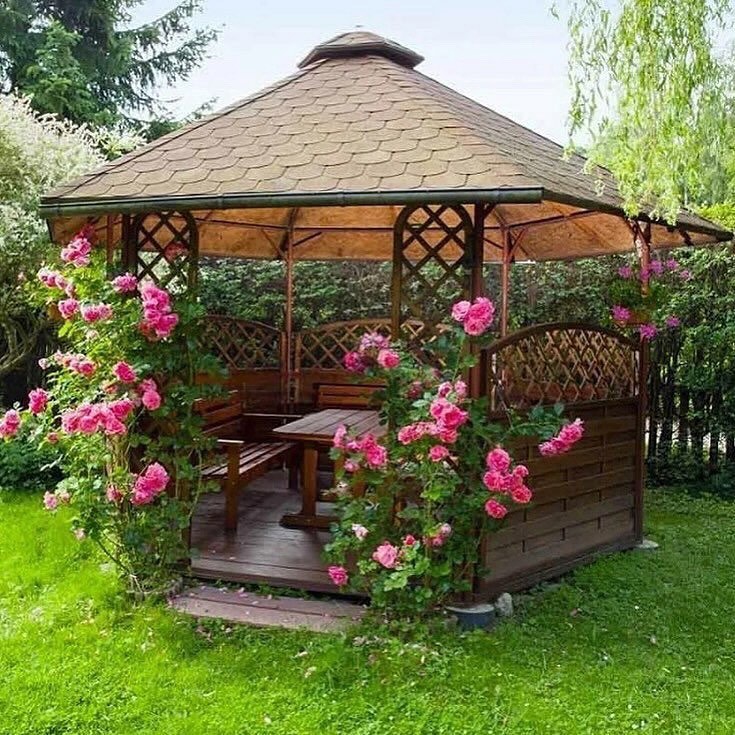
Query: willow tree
652, 97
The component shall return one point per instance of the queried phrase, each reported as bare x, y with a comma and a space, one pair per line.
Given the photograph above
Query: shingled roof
358, 125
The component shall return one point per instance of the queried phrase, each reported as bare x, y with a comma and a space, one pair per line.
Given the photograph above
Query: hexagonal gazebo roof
333, 153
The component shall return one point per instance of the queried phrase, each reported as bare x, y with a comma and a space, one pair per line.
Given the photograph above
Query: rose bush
415, 502
117, 405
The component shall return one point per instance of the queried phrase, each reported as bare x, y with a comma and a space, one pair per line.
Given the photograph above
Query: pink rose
495, 509
122, 408
568, 435
126, 283
96, 312
149, 394
673, 321
372, 342
478, 317
68, 307
386, 555
359, 530
52, 437
37, 401
376, 455
9, 424
149, 484
351, 466
77, 252
354, 363
444, 389
498, 460
338, 575
388, 359
338, 441
124, 372
438, 453
447, 415
460, 310
521, 494
50, 501
409, 540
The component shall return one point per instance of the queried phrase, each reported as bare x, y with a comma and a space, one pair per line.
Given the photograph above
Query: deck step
249, 608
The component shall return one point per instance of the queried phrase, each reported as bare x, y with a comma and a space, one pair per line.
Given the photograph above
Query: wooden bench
243, 461
333, 395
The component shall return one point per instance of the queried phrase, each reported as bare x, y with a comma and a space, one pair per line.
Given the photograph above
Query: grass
636, 642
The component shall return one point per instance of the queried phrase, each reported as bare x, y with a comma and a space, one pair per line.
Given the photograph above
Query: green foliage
652, 93
24, 466
323, 291
83, 61
637, 642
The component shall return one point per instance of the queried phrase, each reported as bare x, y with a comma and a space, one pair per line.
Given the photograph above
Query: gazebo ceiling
335, 150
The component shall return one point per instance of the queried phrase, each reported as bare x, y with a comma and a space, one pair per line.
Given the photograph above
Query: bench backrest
331, 395
222, 415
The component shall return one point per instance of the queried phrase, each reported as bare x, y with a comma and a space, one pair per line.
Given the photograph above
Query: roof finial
362, 43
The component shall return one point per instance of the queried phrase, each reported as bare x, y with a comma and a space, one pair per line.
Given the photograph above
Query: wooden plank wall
585, 502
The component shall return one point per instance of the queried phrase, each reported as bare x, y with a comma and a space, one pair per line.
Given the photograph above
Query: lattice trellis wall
561, 362
163, 247
324, 347
432, 267
243, 345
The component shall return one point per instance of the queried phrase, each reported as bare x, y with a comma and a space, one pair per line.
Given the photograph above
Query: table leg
309, 463
307, 517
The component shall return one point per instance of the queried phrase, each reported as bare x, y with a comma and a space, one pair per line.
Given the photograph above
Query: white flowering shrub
37, 153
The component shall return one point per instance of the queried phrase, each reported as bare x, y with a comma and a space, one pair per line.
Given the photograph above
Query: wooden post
477, 288
109, 242
642, 242
505, 280
288, 317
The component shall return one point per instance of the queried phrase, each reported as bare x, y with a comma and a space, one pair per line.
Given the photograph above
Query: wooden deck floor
261, 551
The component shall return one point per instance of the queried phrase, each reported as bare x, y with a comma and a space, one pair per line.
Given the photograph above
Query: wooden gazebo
359, 156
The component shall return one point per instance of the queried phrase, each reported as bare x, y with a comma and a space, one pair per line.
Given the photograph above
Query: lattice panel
242, 344
164, 249
325, 347
432, 267
561, 362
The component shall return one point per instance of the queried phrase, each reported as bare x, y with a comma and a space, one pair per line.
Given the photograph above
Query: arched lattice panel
163, 247
561, 362
432, 267
241, 344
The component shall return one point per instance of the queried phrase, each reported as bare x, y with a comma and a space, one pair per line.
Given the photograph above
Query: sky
509, 55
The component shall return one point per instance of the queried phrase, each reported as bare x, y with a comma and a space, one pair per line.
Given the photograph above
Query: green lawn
638, 642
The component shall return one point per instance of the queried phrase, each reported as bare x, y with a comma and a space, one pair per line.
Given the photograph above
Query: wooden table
315, 432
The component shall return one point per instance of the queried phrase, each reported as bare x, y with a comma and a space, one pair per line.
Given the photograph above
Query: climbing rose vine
416, 500
117, 404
